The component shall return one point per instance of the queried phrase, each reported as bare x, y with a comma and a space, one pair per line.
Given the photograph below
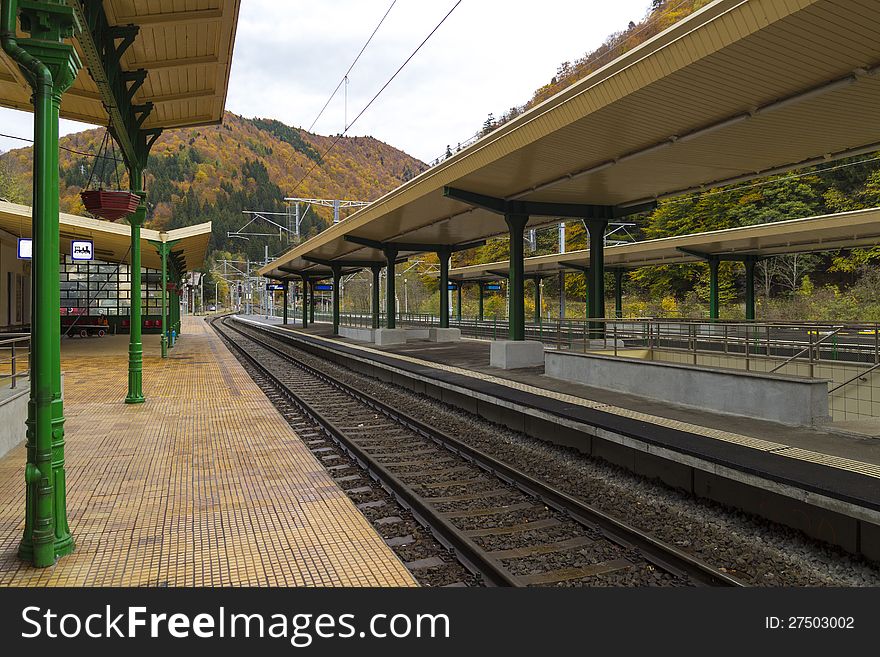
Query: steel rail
663, 555
467, 552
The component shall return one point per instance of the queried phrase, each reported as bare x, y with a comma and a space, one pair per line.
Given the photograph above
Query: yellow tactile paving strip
867, 469
204, 485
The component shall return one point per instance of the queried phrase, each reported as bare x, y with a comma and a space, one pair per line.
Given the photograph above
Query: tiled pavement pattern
204, 485
868, 469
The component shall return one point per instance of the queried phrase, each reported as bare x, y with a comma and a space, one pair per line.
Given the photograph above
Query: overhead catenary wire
346, 74
373, 99
65, 148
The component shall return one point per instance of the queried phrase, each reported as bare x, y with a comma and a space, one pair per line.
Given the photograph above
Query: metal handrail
855, 378
811, 346
16, 355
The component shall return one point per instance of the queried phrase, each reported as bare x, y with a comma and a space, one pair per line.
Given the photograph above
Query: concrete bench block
352, 333
444, 335
779, 398
513, 354
385, 337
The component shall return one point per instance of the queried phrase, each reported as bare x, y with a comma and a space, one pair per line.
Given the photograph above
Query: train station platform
205, 484
826, 482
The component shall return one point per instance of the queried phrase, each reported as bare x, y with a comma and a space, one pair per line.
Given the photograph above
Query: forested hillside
215, 172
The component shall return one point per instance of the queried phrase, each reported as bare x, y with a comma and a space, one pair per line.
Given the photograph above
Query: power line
345, 76
65, 148
373, 99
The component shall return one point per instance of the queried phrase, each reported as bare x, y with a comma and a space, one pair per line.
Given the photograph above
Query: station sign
25, 248
324, 287
493, 287
82, 249
274, 287
452, 286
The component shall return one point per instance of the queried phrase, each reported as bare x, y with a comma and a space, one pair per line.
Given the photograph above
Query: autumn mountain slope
213, 173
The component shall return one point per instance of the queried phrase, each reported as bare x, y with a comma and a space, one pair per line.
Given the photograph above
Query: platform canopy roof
184, 48
112, 241
829, 232
739, 89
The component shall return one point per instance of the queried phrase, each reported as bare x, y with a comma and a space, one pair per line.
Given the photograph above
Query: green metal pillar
305, 302
376, 270
172, 299
163, 252
284, 311
596, 275
516, 224
537, 299
562, 295
481, 312
390, 293
750, 288
443, 256
50, 66
175, 314
135, 346
337, 277
713, 287
458, 287
618, 293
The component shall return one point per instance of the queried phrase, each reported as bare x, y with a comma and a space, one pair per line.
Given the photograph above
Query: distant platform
205, 484
725, 457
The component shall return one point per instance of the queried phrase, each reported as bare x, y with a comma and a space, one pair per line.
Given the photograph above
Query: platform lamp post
50, 66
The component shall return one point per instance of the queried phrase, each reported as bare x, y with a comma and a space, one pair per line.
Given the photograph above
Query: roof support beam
545, 209
349, 264
721, 257
412, 246
103, 55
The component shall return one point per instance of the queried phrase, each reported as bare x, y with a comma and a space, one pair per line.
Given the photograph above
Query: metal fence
14, 359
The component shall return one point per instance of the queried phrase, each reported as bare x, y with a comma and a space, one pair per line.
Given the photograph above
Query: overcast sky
488, 56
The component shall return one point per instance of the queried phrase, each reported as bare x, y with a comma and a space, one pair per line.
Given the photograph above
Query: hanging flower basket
110, 204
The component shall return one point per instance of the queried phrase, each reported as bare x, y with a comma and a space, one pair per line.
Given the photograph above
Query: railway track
502, 524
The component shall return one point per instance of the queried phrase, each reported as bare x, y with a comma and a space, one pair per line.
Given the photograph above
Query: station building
97, 289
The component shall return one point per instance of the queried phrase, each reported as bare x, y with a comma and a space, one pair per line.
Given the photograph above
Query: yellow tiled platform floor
203, 485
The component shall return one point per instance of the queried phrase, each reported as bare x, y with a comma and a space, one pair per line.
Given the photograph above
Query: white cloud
489, 56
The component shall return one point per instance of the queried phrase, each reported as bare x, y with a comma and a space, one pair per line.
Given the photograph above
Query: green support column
618, 293
537, 300
443, 256
175, 314
562, 295
135, 346
50, 67
481, 313
164, 249
516, 224
376, 270
750, 288
458, 287
163, 252
713, 288
390, 294
337, 276
305, 302
596, 275
284, 312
